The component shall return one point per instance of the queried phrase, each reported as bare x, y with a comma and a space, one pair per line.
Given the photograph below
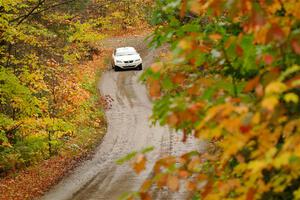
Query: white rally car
126, 58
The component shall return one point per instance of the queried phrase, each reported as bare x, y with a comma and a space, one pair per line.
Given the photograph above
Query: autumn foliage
232, 79
49, 102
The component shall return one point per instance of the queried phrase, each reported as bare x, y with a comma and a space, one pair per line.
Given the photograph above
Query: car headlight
118, 61
138, 60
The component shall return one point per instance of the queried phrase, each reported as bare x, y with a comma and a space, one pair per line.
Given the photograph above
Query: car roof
126, 49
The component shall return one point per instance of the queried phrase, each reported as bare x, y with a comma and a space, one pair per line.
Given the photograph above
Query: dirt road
128, 130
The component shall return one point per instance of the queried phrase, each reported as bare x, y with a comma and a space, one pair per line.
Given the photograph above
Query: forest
47, 104
231, 78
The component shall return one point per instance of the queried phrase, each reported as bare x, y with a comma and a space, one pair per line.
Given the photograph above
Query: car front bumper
128, 65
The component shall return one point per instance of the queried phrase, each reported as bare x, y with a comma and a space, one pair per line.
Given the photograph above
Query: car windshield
127, 53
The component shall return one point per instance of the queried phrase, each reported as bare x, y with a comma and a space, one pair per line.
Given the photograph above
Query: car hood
128, 58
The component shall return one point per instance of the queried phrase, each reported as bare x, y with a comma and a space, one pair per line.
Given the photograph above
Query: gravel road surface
129, 129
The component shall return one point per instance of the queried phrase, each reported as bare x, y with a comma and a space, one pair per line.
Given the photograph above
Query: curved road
128, 129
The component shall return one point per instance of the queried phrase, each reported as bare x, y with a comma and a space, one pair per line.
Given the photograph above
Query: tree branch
34, 12
53, 6
24, 17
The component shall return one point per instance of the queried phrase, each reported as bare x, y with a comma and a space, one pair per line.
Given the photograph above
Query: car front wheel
116, 68
140, 67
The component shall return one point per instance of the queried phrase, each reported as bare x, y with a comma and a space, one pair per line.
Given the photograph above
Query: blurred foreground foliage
232, 79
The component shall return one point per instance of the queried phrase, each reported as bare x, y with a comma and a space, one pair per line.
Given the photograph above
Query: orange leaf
194, 108
183, 174
202, 177
173, 119
168, 161
296, 46
162, 181
240, 158
207, 189
239, 50
179, 78
259, 90
192, 61
140, 163
252, 84
173, 183
250, 194
196, 7
235, 100
215, 36
204, 48
275, 34
146, 186
155, 88
183, 8
157, 168
194, 90
145, 196
268, 59
156, 67
191, 186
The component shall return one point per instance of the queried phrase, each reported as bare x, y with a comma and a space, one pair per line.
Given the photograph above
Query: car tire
140, 67
116, 68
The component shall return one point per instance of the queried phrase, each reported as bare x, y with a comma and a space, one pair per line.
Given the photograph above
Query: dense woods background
49, 102
231, 78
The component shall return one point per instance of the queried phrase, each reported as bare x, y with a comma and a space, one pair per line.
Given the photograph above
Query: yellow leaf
257, 165
270, 103
275, 88
256, 118
291, 97
195, 164
185, 44
271, 153
6, 144
297, 194
282, 160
